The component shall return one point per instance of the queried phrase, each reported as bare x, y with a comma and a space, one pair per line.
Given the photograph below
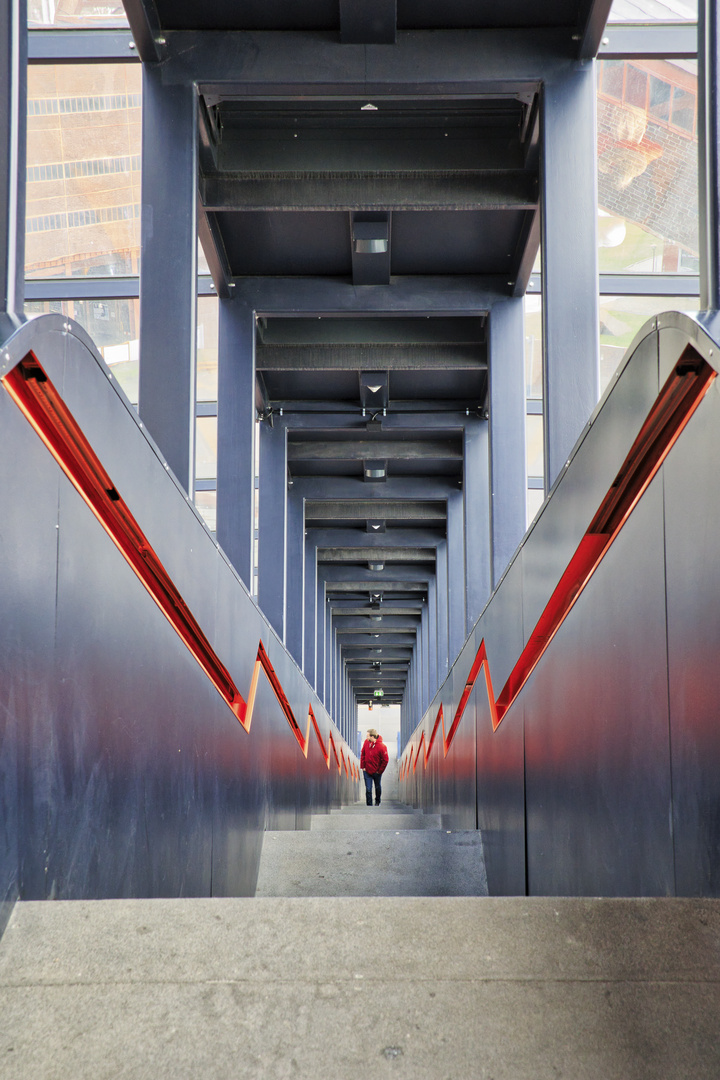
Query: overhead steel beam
266, 145
148, 35
406, 295
410, 487
356, 450
81, 46
665, 42
502, 190
372, 357
361, 509
376, 554
592, 27
342, 537
387, 332
236, 64
369, 22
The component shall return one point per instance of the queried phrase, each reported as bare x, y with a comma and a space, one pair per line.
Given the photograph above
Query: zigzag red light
683, 391
38, 399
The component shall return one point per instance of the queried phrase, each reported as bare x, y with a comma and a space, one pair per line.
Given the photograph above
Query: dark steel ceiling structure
359, 181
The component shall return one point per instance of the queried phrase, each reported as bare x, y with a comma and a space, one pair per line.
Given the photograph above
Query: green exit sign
379, 693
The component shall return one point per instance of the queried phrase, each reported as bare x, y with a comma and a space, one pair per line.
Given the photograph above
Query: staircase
371, 962
386, 850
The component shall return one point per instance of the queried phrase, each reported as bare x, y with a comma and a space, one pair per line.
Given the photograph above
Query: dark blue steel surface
500, 783
692, 527
596, 731
123, 772
603, 776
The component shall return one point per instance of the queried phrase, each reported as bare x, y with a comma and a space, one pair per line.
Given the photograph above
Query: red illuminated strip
36, 396
685, 388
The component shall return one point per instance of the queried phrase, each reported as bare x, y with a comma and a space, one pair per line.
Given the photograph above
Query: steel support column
13, 126
272, 525
709, 151
456, 573
442, 611
569, 261
476, 499
507, 433
236, 436
168, 270
320, 636
310, 613
433, 682
295, 579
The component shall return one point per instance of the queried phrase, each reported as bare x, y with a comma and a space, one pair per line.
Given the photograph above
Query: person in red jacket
373, 762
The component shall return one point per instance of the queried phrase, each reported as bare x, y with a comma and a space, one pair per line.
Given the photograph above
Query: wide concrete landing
423, 989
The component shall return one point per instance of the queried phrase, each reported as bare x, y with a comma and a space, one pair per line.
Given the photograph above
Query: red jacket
374, 757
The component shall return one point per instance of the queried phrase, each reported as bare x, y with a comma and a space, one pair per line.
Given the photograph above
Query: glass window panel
83, 170
648, 175
534, 445
659, 105
207, 348
612, 76
114, 327
206, 448
206, 502
620, 319
533, 345
635, 86
683, 109
75, 13
535, 499
650, 11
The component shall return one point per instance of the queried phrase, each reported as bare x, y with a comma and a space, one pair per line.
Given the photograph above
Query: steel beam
236, 436
406, 449
82, 46
372, 358
237, 64
406, 295
569, 253
509, 189
593, 17
432, 512
507, 433
168, 278
13, 126
147, 33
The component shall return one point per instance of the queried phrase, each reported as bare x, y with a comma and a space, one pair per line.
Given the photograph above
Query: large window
73, 14
83, 170
648, 166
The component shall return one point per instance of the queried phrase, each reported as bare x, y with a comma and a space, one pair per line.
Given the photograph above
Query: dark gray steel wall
122, 771
604, 776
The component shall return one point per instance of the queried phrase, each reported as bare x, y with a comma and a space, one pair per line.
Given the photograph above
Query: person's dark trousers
371, 778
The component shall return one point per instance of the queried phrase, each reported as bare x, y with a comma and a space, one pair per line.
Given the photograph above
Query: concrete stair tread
354, 862
414, 988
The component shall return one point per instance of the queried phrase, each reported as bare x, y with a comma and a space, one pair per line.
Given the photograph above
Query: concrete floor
332, 989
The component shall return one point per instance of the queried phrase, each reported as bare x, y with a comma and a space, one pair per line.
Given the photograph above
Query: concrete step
372, 862
412, 989
390, 815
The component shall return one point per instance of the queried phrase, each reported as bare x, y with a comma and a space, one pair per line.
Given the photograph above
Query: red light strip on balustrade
683, 391
38, 399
